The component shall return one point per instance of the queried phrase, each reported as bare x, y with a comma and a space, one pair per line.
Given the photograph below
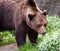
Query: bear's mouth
43, 33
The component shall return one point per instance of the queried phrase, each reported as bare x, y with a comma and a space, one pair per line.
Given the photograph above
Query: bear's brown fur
25, 17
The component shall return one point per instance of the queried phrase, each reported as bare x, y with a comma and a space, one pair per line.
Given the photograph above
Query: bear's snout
44, 33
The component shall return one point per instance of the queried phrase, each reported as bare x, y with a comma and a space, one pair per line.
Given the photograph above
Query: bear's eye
31, 16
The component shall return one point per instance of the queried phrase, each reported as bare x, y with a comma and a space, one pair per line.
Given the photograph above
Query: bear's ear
32, 3
44, 12
31, 16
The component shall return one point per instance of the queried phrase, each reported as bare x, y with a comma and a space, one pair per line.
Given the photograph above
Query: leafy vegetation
28, 47
6, 37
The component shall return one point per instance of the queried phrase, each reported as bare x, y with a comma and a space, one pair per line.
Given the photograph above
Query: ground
11, 47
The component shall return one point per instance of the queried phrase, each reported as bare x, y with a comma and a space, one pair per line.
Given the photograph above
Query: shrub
51, 41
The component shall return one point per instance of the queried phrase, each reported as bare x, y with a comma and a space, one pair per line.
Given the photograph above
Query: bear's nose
44, 33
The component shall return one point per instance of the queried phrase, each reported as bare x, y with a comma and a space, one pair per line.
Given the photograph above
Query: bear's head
35, 18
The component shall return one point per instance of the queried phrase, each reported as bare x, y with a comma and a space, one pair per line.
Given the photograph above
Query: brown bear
25, 17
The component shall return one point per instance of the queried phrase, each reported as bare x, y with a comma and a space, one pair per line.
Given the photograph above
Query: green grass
49, 42
7, 37
28, 47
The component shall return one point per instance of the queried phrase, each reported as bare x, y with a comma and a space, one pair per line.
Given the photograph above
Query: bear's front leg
33, 36
20, 35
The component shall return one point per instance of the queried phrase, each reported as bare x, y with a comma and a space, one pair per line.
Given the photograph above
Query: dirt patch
11, 47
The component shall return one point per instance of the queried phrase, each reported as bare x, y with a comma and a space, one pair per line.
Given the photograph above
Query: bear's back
6, 14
